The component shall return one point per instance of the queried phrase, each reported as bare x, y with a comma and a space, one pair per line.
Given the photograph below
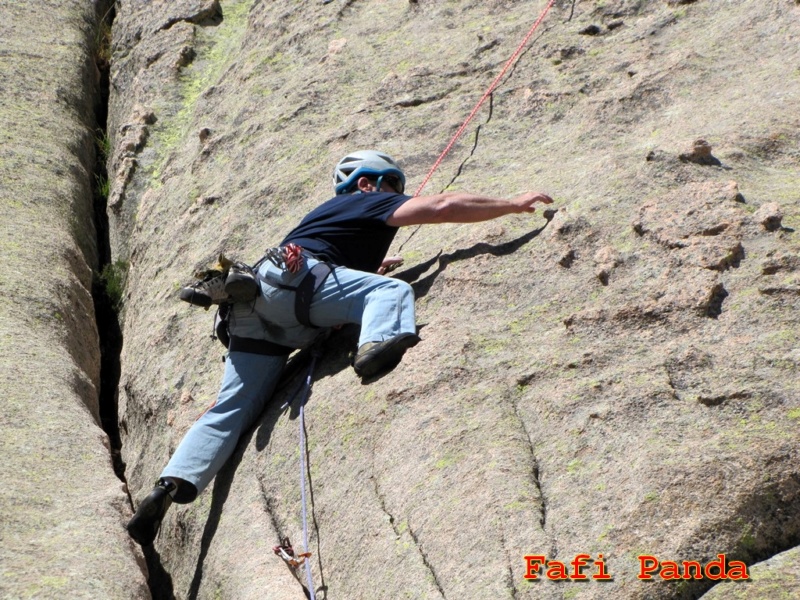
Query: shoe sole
192, 296
389, 356
241, 288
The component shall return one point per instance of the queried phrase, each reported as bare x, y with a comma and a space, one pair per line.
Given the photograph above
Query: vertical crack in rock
398, 533
510, 569
536, 478
107, 288
313, 513
425, 561
279, 527
474, 144
382, 503
269, 508
511, 585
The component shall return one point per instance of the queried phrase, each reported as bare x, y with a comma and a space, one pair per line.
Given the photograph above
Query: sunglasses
395, 182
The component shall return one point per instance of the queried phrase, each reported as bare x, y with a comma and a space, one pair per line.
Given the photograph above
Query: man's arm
461, 207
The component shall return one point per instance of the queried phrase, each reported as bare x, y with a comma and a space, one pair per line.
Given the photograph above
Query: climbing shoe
373, 358
144, 525
207, 292
241, 284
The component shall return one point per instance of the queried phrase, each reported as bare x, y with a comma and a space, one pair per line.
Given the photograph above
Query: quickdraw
289, 257
293, 257
286, 552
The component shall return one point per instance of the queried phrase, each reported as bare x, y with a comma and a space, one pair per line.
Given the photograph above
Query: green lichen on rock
216, 48
61, 504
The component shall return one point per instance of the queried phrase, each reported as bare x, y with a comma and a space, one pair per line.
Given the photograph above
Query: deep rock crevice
107, 288
104, 284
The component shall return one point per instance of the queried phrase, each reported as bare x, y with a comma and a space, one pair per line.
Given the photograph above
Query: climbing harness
289, 258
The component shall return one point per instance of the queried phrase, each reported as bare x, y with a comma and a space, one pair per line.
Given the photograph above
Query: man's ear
365, 185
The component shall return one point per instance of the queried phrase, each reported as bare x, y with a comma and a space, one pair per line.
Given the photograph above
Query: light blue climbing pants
384, 308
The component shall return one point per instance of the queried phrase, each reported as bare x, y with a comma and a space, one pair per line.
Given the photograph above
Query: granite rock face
617, 380
62, 509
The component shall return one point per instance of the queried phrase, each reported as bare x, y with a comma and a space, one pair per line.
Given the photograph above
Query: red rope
488, 93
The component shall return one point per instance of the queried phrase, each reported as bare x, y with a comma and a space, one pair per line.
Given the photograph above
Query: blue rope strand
303, 450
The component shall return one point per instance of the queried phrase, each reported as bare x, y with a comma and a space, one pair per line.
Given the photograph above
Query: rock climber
352, 233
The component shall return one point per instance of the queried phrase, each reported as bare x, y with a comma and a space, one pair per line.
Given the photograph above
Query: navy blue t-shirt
350, 230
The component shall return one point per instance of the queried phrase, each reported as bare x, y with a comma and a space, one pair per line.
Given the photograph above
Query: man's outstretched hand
525, 202
462, 207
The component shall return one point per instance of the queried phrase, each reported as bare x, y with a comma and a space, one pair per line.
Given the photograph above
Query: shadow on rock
223, 482
159, 580
423, 286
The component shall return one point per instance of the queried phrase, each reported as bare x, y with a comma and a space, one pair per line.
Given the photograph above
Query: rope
303, 450
489, 91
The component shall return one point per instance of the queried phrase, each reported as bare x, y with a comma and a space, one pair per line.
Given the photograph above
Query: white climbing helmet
366, 163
